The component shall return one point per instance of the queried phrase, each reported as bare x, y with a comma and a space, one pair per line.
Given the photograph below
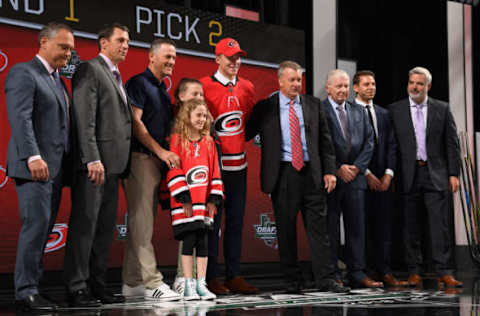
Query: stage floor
428, 300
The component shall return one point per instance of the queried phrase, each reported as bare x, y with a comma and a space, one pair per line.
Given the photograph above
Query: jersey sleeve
216, 189
176, 181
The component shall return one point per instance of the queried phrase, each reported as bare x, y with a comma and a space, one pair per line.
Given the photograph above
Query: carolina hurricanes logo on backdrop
197, 176
3, 176
57, 238
3, 60
168, 82
229, 124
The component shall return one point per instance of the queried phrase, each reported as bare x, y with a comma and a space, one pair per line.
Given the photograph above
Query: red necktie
295, 140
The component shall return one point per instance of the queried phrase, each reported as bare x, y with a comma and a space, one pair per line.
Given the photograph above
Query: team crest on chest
197, 176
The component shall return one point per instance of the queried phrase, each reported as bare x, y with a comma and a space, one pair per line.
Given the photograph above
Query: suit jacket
385, 150
36, 115
265, 119
443, 153
103, 119
361, 135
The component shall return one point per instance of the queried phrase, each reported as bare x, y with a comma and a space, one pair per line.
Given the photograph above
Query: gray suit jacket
361, 134
36, 116
443, 153
103, 120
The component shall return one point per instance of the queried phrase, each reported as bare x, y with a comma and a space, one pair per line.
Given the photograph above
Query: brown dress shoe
239, 285
449, 281
390, 281
217, 287
368, 283
414, 280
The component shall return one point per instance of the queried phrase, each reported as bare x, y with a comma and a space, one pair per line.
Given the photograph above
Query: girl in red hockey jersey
196, 190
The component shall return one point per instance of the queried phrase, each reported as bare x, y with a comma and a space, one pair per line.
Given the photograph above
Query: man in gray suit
37, 105
104, 126
429, 167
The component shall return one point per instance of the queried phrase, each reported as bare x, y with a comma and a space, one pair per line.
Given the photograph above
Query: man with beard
429, 165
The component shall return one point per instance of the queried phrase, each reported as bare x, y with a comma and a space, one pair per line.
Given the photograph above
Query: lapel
109, 74
380, 119
336, 123
351, 113
404, 112
432, 115
276, 112
47, 78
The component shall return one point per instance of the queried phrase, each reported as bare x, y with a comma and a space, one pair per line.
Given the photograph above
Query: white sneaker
179, 285
203, 291
162, 293
190, 290
132, 291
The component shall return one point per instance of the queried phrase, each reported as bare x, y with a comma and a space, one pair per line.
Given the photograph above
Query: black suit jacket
265, 119
443, 153
361, 135
385, 152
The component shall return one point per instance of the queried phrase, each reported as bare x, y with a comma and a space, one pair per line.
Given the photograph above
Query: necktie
344, 121
370, 117
66, 117
420, 131
118, 78
295, 140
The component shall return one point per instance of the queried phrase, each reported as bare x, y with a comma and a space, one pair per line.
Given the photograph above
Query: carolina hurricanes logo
197, 176
3, 179
231, 44
57, 238
3, 60
229, 124
168, 82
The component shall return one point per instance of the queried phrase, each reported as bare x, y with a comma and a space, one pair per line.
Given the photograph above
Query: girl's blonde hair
183, 126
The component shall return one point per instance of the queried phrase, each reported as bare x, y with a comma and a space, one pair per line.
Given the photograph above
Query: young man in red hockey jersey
230, 99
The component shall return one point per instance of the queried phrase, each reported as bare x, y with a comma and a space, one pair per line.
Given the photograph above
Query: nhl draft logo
122, 228
72, 65
229, 124
197, 176
3, 61
57, 238
266, 231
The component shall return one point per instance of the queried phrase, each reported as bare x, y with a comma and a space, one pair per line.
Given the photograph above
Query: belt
421, 163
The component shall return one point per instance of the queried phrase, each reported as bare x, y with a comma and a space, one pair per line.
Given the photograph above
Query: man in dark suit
379, 176
37, 105
104, 126
297, 169
429, 165
353, 140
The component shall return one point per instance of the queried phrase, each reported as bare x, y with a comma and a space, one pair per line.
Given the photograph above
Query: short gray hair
335, 73
50, 30
288, 64
421, 71
159, 42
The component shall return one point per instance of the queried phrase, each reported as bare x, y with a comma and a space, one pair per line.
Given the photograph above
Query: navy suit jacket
361, 135
36, 116
443, 152
385, 151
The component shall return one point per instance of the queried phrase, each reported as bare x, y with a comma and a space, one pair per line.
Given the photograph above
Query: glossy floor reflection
428, 300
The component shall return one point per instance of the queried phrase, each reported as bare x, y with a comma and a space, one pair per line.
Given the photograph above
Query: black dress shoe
294, 288
107, 297
331, 285
36, 302
82, 298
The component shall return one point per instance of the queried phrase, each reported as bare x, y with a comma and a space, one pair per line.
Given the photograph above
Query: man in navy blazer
379, 176
297, 169
429, 165
352, 137
38, 113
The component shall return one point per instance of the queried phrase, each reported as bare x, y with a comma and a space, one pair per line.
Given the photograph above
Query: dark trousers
38, 205
295, 192
235, 183
350, 202
424, 199
379, 230
91, 229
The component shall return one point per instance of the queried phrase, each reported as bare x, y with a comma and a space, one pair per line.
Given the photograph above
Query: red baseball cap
229, 47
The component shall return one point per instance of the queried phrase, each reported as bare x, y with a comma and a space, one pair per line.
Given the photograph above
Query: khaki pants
141, 190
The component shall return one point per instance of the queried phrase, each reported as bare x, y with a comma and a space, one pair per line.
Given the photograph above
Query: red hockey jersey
198, 180
230, 106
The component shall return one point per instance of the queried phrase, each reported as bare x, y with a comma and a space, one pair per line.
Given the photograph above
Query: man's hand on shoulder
170, 158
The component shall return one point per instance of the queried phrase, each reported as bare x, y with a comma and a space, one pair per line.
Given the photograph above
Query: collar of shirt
224, 80
413, 104
46, 65
285, 101
335, 104
109, 63
149, 74
363, 103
